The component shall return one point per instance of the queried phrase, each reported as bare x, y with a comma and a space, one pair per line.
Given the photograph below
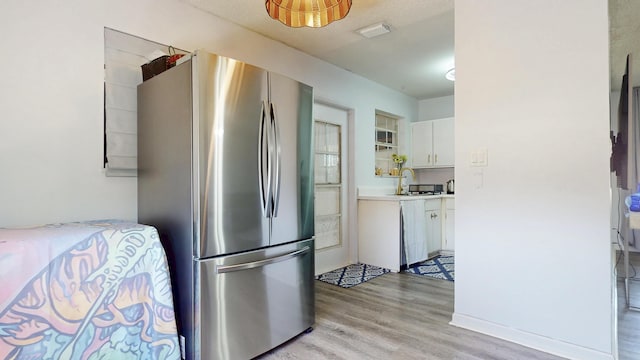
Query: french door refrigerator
225, 173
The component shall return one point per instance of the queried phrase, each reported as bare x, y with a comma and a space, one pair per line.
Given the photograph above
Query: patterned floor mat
439, 267
352, 275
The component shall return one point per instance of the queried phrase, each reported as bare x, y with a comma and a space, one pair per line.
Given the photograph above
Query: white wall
436, 108
434, 176
51, 99
533, 260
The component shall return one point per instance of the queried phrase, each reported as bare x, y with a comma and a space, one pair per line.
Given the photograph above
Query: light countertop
405, 197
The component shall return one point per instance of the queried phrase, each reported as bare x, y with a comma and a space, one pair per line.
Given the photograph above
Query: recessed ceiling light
374, 30
451, 75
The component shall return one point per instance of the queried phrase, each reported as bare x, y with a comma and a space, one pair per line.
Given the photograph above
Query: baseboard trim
545, 344
446, 252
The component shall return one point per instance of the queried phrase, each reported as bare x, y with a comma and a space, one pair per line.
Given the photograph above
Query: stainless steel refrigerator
225, 173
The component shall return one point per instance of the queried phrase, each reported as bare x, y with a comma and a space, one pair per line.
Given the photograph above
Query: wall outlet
478, 179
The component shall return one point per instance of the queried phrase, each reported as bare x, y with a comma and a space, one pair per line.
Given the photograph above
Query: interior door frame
350, 200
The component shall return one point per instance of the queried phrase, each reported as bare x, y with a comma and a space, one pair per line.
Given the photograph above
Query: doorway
331, 187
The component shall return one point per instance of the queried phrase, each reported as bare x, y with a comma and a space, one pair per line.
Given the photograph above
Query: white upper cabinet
422, 144
432, 143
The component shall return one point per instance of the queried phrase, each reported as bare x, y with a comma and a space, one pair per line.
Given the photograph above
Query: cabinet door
449, 228
422, 144
443, 142
434, 225
379, 232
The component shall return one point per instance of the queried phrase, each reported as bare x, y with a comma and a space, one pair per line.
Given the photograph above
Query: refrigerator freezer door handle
277, 160
221, 269
263, 163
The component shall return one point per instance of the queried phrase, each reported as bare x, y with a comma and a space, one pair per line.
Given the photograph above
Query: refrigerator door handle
277, 160
263, 163
221, 269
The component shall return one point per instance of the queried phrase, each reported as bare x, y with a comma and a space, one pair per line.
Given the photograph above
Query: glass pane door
328, 185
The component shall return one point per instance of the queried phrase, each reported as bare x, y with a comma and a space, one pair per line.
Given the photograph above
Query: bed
89, 290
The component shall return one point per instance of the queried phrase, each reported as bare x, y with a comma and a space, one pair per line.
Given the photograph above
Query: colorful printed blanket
93, 290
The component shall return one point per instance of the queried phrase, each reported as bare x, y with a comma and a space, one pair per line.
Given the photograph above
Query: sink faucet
399, 189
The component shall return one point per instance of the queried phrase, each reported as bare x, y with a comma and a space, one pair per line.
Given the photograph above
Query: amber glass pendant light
311, 13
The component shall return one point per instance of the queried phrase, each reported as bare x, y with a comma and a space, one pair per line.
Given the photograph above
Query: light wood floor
395, 316
628, 320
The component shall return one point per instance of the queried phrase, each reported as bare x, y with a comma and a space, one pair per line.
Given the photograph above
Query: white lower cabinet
380, 230
448, 238
379, 233
433, 218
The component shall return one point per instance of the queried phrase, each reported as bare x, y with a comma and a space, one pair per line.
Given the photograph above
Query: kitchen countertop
405, 197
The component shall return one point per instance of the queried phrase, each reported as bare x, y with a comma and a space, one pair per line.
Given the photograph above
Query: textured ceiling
420, 49
413, 58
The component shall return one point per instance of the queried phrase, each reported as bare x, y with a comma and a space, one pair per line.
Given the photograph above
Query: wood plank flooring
629, 320
395, 316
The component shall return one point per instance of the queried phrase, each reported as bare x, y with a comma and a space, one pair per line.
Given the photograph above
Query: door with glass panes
332, 247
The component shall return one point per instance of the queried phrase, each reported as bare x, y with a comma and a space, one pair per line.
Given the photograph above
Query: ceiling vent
374, 30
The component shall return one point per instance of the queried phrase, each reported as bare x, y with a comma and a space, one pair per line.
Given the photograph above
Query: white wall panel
532, 227
52, 99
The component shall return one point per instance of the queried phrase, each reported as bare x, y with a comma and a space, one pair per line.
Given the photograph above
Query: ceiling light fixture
451, 75
311, 13
374, 30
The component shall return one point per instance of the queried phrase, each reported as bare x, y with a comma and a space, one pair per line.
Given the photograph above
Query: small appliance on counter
425, 189
450, 187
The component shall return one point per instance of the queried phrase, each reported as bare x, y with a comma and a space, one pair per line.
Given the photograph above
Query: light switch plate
483, 156
480, 157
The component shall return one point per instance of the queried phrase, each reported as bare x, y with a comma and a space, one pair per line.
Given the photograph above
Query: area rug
439, 267
352, 275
